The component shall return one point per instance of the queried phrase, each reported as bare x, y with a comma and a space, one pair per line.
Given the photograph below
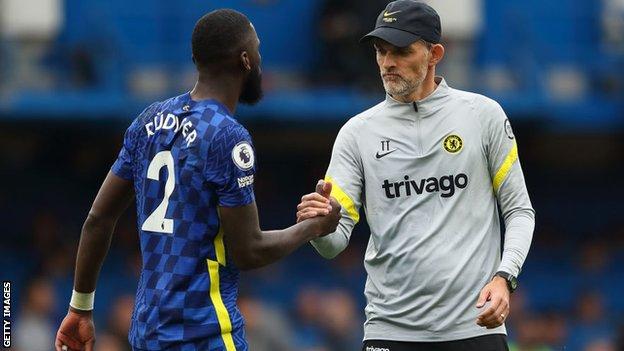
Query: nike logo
378, 155
388, 14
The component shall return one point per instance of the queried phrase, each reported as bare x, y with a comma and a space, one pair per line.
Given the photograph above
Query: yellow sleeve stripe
504, 169
344, 200
222, 314
215, 292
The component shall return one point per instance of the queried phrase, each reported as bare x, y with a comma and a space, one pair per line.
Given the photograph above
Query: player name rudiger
172, 122
446, 185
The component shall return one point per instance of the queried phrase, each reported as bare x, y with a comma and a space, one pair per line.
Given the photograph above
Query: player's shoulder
230, 124
147, 114
215, 116
211, 119
231, 128
220, 130
144, 117
202, 119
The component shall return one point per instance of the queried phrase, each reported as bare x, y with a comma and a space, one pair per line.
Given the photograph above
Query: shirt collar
188, 105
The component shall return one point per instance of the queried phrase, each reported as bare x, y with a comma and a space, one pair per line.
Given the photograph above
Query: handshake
321, 208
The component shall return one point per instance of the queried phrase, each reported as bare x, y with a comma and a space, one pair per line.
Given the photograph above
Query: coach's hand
317, 203
76, 333
497, 293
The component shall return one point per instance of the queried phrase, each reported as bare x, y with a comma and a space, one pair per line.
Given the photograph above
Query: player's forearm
95, 240
518, 236
270, 246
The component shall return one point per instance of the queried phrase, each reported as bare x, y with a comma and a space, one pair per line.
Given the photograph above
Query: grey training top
429, 175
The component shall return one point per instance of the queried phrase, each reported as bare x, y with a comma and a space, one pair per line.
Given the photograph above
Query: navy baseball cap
403, 22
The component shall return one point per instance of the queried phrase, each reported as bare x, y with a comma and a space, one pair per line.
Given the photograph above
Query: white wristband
82, 301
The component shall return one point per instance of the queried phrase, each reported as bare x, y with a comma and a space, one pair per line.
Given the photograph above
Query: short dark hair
218, 36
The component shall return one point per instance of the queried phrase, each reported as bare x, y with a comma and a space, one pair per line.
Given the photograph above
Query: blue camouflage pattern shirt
185, 159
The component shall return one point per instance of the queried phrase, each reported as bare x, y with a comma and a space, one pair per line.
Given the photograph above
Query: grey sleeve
345, 174
510, 189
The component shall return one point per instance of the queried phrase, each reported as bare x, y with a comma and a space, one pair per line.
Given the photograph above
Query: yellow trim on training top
504, 169
344, 200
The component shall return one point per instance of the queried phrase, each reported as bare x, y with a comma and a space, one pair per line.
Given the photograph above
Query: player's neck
224, 91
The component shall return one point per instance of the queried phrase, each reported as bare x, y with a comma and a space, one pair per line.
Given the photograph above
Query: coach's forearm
519, 228
95, 240
331, 245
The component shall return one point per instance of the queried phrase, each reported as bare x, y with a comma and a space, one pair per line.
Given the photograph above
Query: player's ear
245, 60
437, 53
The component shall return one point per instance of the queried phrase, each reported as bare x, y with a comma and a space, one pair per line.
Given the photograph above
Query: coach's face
402, 69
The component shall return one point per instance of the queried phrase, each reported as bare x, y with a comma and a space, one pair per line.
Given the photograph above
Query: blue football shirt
186, 158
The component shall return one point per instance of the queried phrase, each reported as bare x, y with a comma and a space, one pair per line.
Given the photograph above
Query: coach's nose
388, 61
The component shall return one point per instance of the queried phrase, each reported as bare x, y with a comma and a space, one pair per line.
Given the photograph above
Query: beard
252, 90
400, 86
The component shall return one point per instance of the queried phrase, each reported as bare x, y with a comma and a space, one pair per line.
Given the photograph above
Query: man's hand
317, 203
497, 293
76, 333
328, 223
321, 205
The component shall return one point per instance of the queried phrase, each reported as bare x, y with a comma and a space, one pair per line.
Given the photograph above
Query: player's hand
328, 223
497, 293
76, 333
315, 204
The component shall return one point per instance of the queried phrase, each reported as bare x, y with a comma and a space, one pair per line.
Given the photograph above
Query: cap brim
393, 36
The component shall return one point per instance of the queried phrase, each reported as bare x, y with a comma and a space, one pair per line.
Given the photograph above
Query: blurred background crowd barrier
74, 73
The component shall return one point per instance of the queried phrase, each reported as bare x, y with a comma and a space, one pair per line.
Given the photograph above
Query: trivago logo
446, 185
372, 348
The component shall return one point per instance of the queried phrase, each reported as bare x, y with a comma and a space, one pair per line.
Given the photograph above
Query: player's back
185, 159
